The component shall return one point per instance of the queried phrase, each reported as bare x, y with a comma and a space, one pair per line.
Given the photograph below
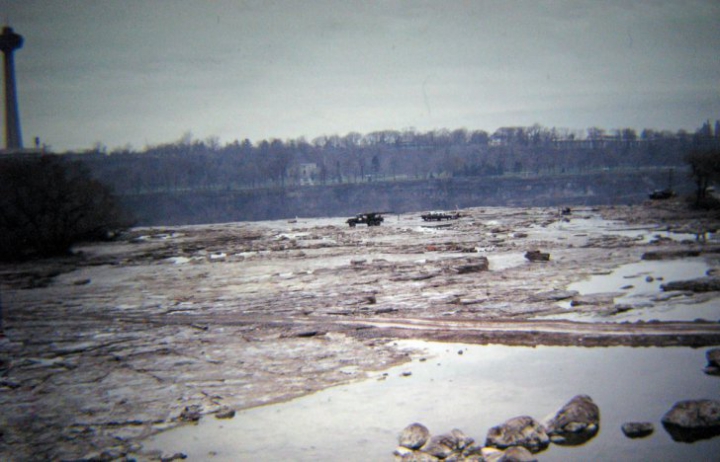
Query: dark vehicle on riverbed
439, 216
667, 193
370, 219
660, 194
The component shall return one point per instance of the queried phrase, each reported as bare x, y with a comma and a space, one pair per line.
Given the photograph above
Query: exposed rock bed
168, 325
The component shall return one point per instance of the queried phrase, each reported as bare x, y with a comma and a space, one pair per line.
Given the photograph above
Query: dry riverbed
167, 325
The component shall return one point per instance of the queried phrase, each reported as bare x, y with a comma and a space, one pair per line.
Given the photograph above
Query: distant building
307, 173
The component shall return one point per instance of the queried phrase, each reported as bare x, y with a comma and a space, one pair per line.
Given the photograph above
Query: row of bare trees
48, 203
197, 165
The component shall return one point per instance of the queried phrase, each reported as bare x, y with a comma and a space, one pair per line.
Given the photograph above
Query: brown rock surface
219, 316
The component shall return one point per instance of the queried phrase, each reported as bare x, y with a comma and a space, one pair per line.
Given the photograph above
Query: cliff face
601, 188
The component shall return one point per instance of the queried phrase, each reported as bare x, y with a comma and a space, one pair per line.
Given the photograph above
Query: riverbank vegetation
47, 204
205, 165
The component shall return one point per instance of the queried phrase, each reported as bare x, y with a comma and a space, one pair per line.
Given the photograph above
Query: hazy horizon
147, 72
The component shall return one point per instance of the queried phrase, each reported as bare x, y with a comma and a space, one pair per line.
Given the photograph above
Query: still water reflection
472, 391
638, 286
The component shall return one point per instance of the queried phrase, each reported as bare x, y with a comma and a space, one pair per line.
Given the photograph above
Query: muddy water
473, 391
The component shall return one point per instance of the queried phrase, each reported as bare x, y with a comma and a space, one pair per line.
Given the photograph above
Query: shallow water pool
639, 286
597, 225
472, 391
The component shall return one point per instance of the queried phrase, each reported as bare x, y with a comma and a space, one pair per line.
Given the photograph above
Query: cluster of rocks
515, 440
578, 421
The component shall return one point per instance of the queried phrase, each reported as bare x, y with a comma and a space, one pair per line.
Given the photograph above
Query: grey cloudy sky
145, 72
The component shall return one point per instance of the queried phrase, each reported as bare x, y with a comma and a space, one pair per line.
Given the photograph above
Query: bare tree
47, 205
705, 168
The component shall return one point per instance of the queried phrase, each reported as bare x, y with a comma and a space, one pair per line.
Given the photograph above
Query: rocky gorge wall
599, 188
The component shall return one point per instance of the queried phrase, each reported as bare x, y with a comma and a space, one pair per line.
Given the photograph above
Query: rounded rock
580, 414
701, 413
414, 436
693, 420
518, 431
713, 359
638, 429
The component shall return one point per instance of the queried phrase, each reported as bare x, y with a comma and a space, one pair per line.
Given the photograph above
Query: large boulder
472, 265
225, 413
440, 446
415, 444
575, 423
519, 431
536, 255
191, 413
449, 444
693, 420
414, 436
713, 359
459, 440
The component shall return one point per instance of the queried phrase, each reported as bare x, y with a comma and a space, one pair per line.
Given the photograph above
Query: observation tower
9, 42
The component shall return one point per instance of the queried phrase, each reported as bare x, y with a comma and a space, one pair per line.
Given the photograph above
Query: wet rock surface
713, 362
414, 436
536, 255
169, 325
576, 422
516, 439
455, 445
672, 254
693, 420
638, 429
518, 431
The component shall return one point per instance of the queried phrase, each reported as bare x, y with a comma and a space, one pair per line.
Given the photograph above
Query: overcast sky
144, 72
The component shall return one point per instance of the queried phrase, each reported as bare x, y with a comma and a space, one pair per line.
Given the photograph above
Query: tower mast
9, 42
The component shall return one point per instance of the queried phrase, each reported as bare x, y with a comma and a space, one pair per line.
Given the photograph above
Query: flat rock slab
599, 299
707, 284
